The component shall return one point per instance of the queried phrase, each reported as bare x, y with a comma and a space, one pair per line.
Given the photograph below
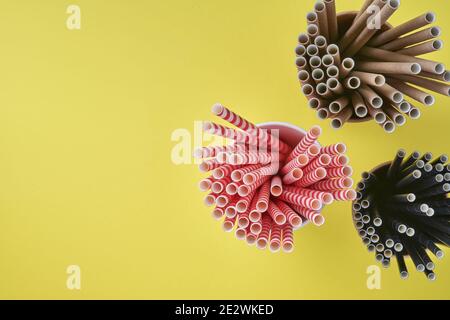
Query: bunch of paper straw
402, 209
263, 188
355, 67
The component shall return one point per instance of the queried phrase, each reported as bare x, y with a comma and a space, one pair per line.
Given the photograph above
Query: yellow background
85, 171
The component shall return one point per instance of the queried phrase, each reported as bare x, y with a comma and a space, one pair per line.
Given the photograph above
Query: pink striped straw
249, 158
292, 217
348, 194
230, 209
253, 176
256, 227
313, 216
338, 160
206, 183
336, 172
312, 151
263, 237
322, 161
298, 162
220, 185
310, 138
210, 199
254, 215
209, 165
325, 197
293, 176
225, 132
243, 204
240, 233
244, 190
333, 184
231, 189
236, 120
223, 200
238, 174
224, 171
262, 202
288, 238
277, 215
217, 213
311, 177
276, 186
228, 224
338, 148
251, 238
304, 201
212, 151
275, 238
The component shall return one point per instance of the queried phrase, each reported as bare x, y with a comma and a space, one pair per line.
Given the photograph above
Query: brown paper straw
313, 32
358, 105
323, 113
364, 7
301, 63
327, 60
321, 44
322, 18
380, 116
308, 90
445, 76
346, 67
341, 118
322, 90
318, 75
315, 62
412, 92
311, 18
352, 83
414, 113
372, 98
386, 12
422, 48
337, 105
304, 76
333, 50
372, 79
333, 72
303, 39
312, 50
394, 114
388, 126
434, 86
358, 25
403, 106
316, 103
333, 27
403, 29
335, 86
384, 55
390, 92
389, 67
300, 50
412, 39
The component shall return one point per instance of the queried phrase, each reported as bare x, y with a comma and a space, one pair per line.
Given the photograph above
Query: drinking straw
345, 60
262, 189
399, 211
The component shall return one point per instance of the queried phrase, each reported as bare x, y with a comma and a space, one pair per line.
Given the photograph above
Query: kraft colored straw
263, 188
353, 70
403, 210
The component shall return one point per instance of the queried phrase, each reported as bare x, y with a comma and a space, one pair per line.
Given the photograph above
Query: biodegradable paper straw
372, 79
412, 39
434, 86
422, 48
412, 92
333, 27
402, 29
322, 18
389, 67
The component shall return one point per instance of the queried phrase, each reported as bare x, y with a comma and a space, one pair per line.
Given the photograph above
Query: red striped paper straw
300, 200
293, 176
288, 238
277, 215
310, 138
276, 186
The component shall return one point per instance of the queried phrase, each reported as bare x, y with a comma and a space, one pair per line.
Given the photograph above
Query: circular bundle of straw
266, 183
402, 210
355, 67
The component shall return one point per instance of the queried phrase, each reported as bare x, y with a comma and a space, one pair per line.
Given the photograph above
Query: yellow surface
85, 170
